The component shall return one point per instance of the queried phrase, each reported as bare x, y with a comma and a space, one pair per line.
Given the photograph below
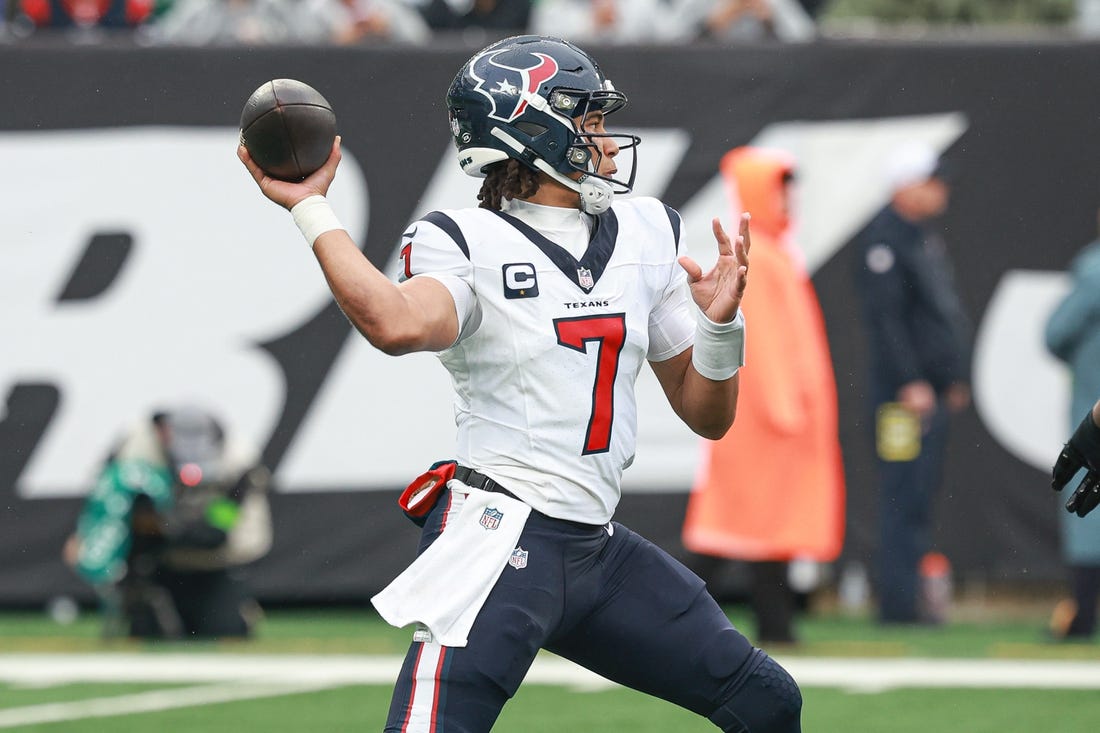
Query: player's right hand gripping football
288, 193
1082, 451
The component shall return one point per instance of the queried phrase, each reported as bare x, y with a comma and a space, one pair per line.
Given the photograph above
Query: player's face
604, 149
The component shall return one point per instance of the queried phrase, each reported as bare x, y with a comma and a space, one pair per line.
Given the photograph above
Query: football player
544, 303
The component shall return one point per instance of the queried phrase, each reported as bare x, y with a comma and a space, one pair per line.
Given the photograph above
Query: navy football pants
616, 604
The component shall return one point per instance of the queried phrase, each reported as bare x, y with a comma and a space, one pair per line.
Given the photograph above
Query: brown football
288, 128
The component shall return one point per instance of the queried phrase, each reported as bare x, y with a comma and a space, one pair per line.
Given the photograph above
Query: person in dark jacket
918, 352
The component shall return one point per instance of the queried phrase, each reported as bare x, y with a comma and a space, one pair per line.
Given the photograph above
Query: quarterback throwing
544, 303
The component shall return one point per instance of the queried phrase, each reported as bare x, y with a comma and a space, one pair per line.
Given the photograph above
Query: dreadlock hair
508, 179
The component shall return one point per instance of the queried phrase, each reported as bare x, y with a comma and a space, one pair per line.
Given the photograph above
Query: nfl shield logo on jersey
490, 518
584, 278
518, 560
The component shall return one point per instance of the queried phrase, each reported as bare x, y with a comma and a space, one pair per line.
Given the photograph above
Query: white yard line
227, 677
53, 669
873, 675
863, 673
147, 702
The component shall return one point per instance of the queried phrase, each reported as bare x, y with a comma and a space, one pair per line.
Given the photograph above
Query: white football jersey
550, 347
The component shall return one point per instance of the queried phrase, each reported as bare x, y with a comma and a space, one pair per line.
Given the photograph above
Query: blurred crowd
346, 22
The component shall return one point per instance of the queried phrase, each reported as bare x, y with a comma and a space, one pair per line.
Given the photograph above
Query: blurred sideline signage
150, 271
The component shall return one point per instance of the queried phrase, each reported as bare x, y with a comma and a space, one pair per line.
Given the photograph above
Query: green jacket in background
104, 524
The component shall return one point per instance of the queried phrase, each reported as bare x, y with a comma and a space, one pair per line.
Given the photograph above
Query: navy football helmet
518, 98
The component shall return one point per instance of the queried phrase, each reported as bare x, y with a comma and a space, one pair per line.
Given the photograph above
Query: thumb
691, 267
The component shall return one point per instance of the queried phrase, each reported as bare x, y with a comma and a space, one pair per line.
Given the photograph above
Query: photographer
178, 510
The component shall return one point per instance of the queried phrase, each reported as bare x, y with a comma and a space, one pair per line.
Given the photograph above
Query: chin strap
596, 194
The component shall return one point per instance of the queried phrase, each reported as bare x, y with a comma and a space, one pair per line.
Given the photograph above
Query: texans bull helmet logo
506, 76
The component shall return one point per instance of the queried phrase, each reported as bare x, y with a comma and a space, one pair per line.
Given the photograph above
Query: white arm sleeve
672, 321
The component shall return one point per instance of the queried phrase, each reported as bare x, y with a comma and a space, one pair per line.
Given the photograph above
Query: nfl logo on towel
490, 518
518, 560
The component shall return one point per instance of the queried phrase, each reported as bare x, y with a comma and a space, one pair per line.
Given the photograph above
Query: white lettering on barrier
1021, 392
214, 270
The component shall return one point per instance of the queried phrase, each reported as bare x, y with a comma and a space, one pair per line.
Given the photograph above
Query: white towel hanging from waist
445, 588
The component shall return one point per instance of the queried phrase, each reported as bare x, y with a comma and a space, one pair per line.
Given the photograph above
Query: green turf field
327, 638
542, 709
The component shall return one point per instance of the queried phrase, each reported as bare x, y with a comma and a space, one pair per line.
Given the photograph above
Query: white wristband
314, 217
719, 349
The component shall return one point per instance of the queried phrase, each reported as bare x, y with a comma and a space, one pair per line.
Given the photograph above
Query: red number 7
610, 331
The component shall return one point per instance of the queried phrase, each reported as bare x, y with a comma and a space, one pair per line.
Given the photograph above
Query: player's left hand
718, 293
1082, 451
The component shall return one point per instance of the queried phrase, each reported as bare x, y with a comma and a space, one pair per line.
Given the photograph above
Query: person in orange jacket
772, 489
